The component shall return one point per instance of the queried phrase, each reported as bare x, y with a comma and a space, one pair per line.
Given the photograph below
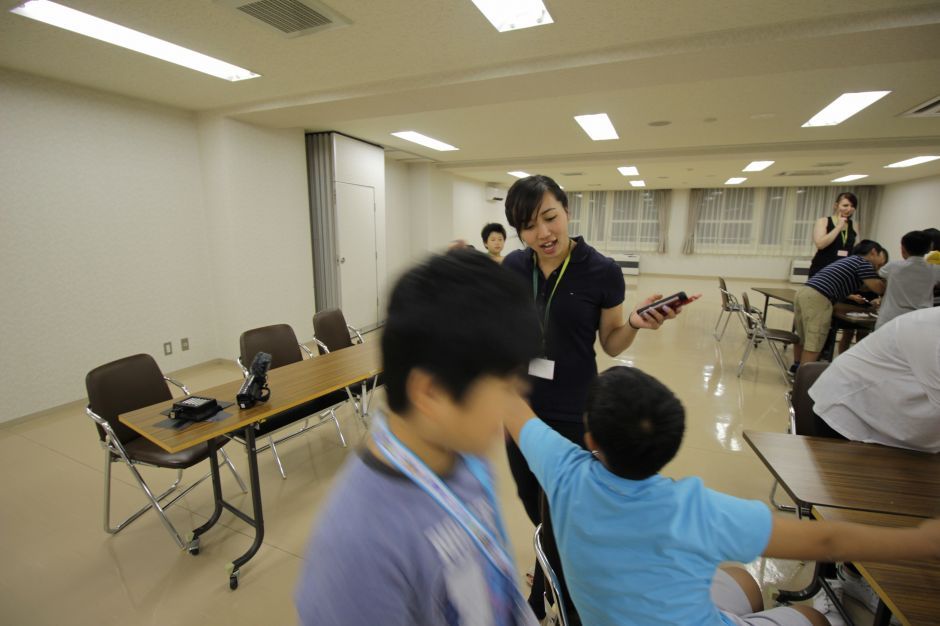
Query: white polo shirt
886, 389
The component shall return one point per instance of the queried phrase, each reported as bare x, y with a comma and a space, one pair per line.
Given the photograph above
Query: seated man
812, 307
911, 280
886, 389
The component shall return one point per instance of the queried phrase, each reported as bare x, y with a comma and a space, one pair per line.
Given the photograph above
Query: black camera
255, 388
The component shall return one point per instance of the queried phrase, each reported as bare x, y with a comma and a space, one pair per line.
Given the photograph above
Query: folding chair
758, 333
729, 306
126, 385
561, 615
281, 343
332, 333
802, 416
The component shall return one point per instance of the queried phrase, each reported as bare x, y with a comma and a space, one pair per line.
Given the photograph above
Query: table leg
258, 521
766, 304
216, 496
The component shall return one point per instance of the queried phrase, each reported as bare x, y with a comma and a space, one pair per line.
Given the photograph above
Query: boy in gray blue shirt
411, 534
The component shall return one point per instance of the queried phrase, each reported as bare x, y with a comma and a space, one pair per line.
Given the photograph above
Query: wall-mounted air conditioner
799, 270
629, 263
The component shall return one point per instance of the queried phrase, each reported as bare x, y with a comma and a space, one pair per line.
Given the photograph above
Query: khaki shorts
812, 313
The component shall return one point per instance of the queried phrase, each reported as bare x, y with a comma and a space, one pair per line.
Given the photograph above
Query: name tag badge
843, 253
542, 368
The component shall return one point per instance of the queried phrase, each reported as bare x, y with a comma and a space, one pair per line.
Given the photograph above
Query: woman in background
835, 235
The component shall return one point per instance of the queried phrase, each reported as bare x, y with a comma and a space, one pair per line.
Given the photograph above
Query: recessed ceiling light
660, 123
844, 107
757, 166
628, 170
735, 181
519, 174
849, 178
914, 161
598, 127
508, 15
638, 183
424, 140
109, 32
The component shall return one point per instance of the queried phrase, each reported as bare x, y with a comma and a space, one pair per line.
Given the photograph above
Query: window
617, 221
774, 221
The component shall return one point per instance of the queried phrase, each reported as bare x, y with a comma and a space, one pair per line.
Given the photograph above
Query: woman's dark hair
442, 311
525, 197
489, 229
848, 195
934, 236
636, 421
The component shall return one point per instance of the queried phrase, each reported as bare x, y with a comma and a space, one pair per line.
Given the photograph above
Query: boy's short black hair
489, 229
525, 197
636, 421
457, 316
865, 246
917, 243
934, 237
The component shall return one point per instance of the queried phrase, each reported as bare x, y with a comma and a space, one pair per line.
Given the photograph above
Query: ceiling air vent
833, 164
931, 108
572, 173
807, 173
291, 18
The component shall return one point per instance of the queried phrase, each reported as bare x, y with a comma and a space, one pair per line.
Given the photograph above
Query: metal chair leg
155, 504
277, 457
715, 332
339, 431
231, 466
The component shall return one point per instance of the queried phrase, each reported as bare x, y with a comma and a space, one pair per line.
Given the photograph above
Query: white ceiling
735, 79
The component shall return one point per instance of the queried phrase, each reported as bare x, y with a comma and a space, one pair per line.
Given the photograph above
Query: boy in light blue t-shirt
642, 549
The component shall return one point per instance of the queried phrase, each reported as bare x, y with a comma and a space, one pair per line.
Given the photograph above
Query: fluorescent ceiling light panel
508, 15
598, 127
844, 107
519, 174
757, 166
638, 183
735, 181
914, 161
424, 140
109, 32
628, 170
849, 178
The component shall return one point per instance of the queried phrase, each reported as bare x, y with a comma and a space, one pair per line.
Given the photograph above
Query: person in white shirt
886, 389
911, 280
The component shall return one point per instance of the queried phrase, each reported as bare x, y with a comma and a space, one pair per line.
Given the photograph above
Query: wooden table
841, 311
848, 475
292, 386
785, 294
851, 475
908, 589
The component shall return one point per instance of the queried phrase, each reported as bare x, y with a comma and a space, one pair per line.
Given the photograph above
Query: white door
358, 265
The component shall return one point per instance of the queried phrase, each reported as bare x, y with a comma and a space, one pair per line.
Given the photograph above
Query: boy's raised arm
517, 416
843, 541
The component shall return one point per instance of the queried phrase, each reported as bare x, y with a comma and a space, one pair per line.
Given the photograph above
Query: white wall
125, 224
912, 205
261, 264
398, 227
100, 198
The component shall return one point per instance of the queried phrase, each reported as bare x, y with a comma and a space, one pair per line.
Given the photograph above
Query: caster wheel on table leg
233, 581
193, 546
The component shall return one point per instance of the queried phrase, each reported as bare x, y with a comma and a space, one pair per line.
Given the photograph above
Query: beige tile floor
62, 568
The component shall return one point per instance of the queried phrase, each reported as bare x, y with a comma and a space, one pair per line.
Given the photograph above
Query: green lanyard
535, 287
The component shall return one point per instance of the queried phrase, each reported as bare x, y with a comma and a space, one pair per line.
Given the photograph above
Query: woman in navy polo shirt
579, 294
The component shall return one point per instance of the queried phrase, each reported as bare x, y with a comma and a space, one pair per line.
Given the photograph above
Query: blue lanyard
492, 547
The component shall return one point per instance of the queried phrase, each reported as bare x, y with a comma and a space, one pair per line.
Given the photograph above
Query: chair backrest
551, 579
122, 386
752, 316
804, 420
278, 340
723, 288
330, 327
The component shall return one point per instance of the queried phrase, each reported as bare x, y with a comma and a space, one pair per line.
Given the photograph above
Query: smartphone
674, 301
